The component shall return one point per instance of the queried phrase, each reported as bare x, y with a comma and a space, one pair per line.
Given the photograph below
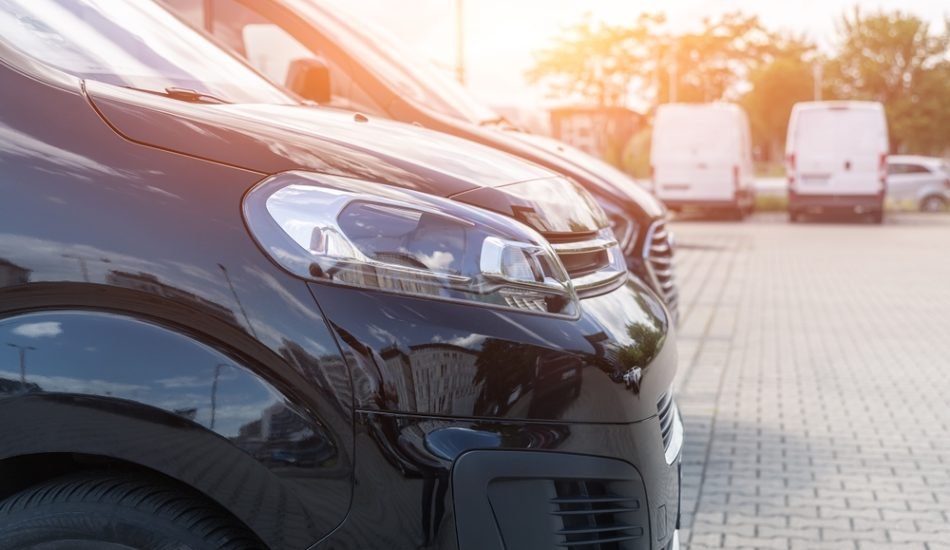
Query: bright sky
502, 34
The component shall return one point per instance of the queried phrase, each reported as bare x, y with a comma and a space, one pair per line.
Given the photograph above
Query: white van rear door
839, 151
693, 156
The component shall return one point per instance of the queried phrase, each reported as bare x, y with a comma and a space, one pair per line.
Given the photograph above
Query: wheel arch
132, 391
21, 472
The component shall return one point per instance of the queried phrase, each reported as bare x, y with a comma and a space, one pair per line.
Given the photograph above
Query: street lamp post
22, 350
214, 391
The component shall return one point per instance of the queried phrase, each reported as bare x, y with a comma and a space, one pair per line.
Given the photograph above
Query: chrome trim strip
676, 440
597, 278
614, 269
675, 543
583, 247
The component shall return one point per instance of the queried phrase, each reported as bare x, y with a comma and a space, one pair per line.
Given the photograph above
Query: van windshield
696, 136
391, 61
135, 44
827, 132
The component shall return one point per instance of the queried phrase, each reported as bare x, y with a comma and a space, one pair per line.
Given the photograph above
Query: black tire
105, 510
934, 203
794, 216
877, 217
737, 213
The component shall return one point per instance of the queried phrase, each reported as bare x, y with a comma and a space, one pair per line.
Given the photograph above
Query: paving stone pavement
815, 383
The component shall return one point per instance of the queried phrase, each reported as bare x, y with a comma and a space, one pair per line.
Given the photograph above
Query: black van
231, 323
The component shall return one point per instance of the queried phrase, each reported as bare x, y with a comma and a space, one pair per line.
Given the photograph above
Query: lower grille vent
595, 515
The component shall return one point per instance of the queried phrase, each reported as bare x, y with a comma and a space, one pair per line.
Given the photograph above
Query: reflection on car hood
611, 182
276, 138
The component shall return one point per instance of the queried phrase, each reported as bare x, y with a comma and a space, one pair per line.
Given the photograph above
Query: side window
917, 169
270, 49
893, 169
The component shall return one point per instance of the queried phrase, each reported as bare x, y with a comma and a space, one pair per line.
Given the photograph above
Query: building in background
598, 131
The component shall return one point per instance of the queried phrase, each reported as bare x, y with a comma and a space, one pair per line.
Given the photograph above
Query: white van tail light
790, 168
882, 172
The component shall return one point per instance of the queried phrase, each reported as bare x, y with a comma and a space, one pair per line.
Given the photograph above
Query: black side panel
548, 500
109, 385
92, 222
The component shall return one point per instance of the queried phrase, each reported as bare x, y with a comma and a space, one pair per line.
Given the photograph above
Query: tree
708, 65
599, 63
785, 77
895, 58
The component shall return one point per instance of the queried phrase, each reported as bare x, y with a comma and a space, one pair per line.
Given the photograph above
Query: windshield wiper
183, 94
499, 122
496, 121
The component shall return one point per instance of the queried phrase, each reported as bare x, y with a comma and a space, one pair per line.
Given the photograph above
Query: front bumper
435, 382
740, 199
478, 484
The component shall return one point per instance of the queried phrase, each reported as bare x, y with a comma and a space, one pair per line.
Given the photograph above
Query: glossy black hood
277, 138
613, 183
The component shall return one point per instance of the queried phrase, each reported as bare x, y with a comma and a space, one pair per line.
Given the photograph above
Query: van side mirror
310, 79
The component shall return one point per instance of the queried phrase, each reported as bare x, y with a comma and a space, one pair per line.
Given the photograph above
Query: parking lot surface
815, 383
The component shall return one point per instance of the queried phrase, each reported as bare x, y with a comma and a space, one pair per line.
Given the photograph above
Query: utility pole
460, 41
214, 391
674, 81
22, 350
672, 72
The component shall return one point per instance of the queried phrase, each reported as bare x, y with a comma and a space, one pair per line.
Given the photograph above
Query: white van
836, 158
701, 157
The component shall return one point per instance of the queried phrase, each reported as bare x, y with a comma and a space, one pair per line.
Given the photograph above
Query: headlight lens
346, 232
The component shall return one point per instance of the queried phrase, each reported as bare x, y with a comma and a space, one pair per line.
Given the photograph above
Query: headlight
341, 231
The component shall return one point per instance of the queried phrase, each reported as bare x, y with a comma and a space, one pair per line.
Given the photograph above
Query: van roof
718, 105
840, 104
915, 159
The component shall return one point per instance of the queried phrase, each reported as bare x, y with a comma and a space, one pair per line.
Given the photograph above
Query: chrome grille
600, 515
658, 253
594, 264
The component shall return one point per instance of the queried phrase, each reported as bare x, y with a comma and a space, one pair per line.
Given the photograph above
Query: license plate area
816, 179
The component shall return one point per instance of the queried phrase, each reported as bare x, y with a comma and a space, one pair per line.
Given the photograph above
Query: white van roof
834, 105
719, 106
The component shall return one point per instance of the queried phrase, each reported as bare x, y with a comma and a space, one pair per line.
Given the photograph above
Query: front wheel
105, 510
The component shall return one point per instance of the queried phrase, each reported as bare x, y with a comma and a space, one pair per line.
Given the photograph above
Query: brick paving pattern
815, 383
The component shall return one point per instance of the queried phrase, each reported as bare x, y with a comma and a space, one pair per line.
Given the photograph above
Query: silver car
921, 181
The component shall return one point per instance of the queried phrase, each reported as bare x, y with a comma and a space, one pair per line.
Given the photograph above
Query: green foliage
892, 57
597, 62
776, 85
708, 65
897, 59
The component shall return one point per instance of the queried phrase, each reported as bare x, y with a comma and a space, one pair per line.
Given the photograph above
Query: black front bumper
481, 484
435, 381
